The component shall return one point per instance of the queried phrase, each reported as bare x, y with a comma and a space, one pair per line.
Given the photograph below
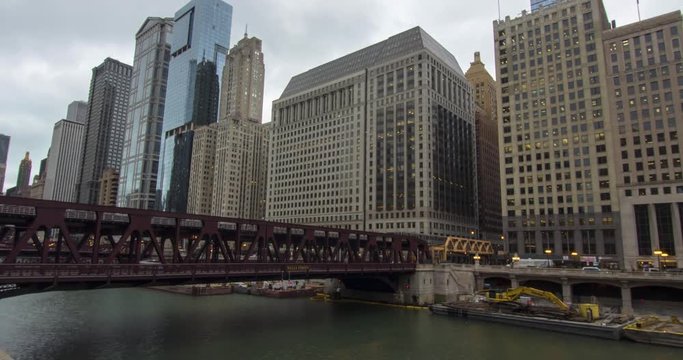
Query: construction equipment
587, 312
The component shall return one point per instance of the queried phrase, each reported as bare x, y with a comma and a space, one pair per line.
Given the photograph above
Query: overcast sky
50, 47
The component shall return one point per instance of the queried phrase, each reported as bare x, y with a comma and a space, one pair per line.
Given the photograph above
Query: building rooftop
396, 46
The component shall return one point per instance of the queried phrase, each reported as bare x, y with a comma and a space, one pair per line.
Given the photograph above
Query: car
590, 268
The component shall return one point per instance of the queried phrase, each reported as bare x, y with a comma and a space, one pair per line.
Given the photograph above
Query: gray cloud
50, 47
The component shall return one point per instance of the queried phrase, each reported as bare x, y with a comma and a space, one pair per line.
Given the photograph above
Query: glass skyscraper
142, 144
201, 32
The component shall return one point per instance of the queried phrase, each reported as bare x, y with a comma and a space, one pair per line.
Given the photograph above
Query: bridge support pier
626, 300
566, 291
514, 283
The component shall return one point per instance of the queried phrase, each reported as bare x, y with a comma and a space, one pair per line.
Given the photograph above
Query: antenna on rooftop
498, 10
638, 6
246, 27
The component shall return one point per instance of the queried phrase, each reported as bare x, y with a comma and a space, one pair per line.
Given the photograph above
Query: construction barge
656, 331
535, 308
481, 311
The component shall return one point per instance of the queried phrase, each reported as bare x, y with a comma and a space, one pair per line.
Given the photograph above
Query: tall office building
24, 175
105, 126
240, 179
645, 85
142, 143
4, 151
241, 164
64, 159
380, 139
201, 32
243, 77
204, 112
558, 191
206, 91
77, 112
202, 168
488, 170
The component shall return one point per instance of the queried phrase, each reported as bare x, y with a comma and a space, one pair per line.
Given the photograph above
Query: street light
547, 254
515, 258
476, 258
658, 253
574, 255
664, 255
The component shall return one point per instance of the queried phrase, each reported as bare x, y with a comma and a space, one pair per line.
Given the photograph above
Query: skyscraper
488, 170
559, 187
241, 141
241, 165
644, 65
206, 90
243, 77
380, 139
4, 151
77, 112
105, 126
142, 143
64, 157
24, 175
201, 32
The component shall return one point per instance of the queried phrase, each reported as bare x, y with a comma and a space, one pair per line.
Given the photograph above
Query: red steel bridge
54, 245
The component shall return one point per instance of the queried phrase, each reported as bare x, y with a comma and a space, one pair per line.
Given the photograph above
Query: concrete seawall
430, 284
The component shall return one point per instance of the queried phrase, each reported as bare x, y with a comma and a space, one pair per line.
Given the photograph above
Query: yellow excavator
587, 312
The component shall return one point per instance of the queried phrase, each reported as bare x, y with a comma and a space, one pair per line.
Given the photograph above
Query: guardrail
616, 274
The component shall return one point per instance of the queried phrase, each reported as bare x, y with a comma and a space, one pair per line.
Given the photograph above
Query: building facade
64, 159
142, 143
239, 182
105, 126
488, 170
243, 77
240, 179
380, 139
109, 185
4, 151
558, 184
202, 168
645, 86
37, 188
201, 32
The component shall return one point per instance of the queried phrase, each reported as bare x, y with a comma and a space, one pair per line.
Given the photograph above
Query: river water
147, 324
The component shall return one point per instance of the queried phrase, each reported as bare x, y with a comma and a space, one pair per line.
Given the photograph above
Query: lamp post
515, 258
476, 258
574, 255
658, 253
547, 254
664, 255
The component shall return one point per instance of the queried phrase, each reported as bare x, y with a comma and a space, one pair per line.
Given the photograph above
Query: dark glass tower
201, 31
105, 126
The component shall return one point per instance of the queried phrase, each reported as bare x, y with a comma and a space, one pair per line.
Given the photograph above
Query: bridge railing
10, 273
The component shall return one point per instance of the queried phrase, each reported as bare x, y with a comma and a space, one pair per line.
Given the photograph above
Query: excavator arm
514, 294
